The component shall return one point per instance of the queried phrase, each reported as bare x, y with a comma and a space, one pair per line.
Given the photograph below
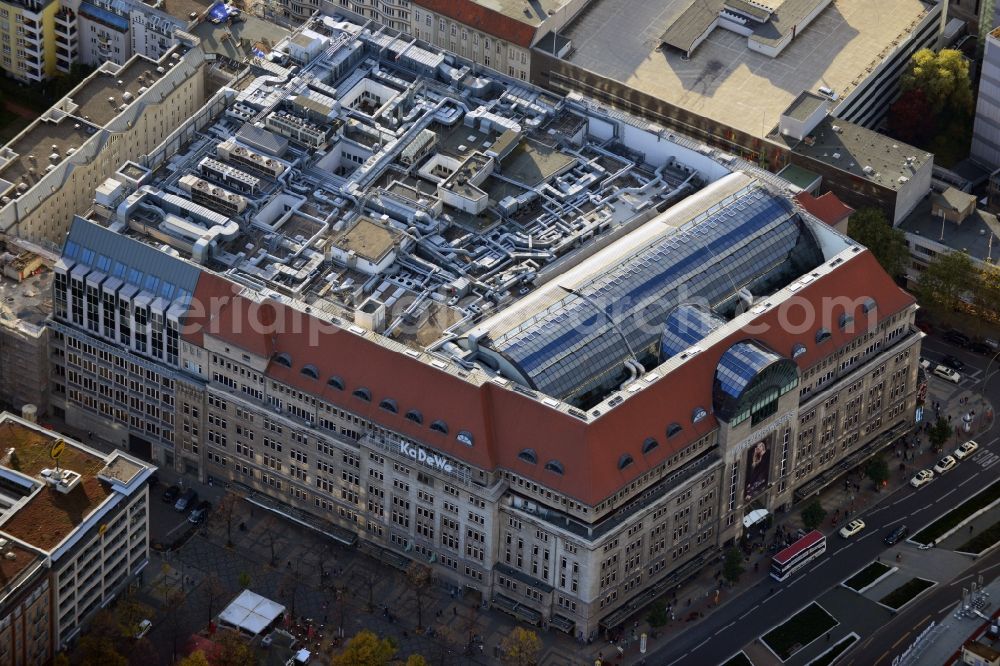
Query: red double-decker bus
796, 556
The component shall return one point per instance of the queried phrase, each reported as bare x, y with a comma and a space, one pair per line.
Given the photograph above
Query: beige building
50, 171
80, 516
25, 304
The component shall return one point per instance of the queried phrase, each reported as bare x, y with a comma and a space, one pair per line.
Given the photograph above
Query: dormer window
335, 382
310, 371
440, 426
528, 456
698, 414
673, 430
555, 467
283, 359
415, 416
649, 445
363, 394
868, 305
389, 405
822, 335
464, 437
625, 461
845, 321
798, 349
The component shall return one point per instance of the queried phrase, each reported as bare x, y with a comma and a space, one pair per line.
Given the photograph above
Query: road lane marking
902, 499
696, 647
748, 612
946, 608
894, 522
956, 582
945, 495
917, 511
793, 582
884, 655
968, 479
866, 536
991, 567
903, 638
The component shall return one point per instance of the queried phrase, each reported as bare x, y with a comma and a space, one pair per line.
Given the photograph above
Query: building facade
986, 130
388, 362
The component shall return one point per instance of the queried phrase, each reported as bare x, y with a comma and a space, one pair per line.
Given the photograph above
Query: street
743, 619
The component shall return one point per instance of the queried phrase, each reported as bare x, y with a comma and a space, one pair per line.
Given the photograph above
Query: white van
828, 92
944, 372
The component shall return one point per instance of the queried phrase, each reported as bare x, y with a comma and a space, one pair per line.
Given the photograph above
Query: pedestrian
454, 611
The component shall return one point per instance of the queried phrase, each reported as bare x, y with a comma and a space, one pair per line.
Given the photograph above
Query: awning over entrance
754, 517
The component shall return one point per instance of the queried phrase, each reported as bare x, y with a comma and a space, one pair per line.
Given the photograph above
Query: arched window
555, 467
389, 405
625, 461
698, 414
364, 394
440, 426
335, 382
283, 359
649, 445
822, 335
845, 321
415, 416
528, 456
673, 430
464, 437
798, 349
310, 371
868, 305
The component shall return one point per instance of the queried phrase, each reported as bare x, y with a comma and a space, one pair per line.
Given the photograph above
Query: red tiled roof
826, 207
502, 421
482, 18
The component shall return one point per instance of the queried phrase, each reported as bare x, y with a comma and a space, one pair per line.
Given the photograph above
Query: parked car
953, 363
992, 344
922, 477
142, 629
947, 373
171, 493
966, 450
944, 465
186, 500
981, 348
200, 512
897, 535
956, 338
852, 528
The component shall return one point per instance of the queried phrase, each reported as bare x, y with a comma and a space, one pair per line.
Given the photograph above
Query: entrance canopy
251, 612
754, 517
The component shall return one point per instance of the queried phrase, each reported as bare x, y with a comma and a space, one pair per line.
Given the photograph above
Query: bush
955, 517
657, 614
801, 629
905, 593
813, 515
866, 576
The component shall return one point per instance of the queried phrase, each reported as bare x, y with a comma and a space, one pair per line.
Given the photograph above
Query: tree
943, 78
911, 118
289, 587
520, 648
657, 614
365, 649
130, 615
420, 578
269, 526
945, 281
172, 620
987, 291
416, 660
870, 227
61, 660
732, 567
196, 658
813, 515
214, 592
144, 653
225, 510
233, 651
878, 470
244, 580
100, 651
939, 433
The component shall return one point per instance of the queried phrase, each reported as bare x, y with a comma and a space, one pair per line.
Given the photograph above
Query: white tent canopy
251, 612
754, 517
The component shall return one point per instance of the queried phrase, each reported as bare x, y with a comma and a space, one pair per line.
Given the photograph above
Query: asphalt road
893, 637
755, 611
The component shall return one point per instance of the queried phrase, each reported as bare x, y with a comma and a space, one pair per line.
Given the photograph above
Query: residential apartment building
395, 14
423, 394
26, 293
44, 39
120, 112
75, 533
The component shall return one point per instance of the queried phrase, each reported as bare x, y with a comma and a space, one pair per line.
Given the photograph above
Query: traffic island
738, 659
983, 541
954, 518
868, 576
799, 631
906, 593
831, 655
